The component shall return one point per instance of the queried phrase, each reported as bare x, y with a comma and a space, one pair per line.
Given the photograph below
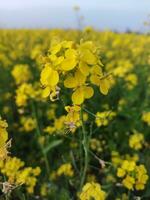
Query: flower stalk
85, 144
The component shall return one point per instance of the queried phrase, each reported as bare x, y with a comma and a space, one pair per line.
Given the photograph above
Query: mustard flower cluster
27, 91
28, 124
146, 118
57, 126
78, 65
134, 176
23, 93
17, 174
92, 190
136, 141
131, 80
123, 68
66, 123
21, 73
96, 144
66, 170
103, 118
4, 143
72, 119
117, 159
73, 73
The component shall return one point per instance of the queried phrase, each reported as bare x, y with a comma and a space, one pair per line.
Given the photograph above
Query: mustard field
74, 115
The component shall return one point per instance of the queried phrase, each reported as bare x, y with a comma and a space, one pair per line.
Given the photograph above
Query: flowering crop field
74, 115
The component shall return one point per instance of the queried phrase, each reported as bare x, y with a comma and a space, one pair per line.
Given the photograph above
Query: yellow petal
70, 82
76, 108
53, 78
88, 45
46, 72
55, 48
97, 70
70, 53
4, 138
88, 92
95, 79
78, 96
68, 64
88, 57
104, 86
67, 108
46, 92
80, 78
84, 68
67, 44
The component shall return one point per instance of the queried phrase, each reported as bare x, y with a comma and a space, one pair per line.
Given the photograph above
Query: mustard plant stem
85, 148
38, 133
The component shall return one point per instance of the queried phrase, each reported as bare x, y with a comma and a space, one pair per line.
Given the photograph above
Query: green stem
85, 148
38, 132
24, 198
129, 194
6, 197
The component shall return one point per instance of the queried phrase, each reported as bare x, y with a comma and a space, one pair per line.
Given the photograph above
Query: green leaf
52, 145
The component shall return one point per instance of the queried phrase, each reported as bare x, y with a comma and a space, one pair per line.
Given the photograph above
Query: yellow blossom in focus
81, 91
49, 80
73, 64
98, 78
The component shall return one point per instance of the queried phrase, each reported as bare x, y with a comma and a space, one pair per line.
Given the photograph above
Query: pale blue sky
101, 14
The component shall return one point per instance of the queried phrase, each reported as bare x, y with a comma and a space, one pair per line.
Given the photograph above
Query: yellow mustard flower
141, 177
128, 182
134, 177
65, 169
72, 64
146, 118
21, 73
98, 78
23, 93
92, 190
81, 91
136, 141
49, 80
103, 118
4, 143
73, 117
13, 168
131, 80
28, 123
